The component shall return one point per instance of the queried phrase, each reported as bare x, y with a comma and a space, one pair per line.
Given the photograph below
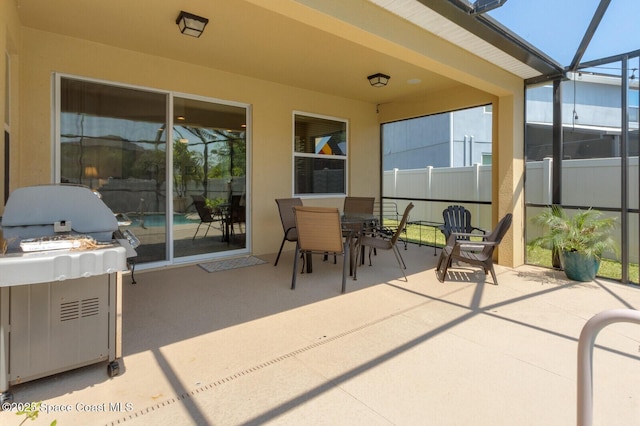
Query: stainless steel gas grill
60, 284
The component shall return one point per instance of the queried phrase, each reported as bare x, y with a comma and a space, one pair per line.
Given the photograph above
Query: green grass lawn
608, 268
537, 256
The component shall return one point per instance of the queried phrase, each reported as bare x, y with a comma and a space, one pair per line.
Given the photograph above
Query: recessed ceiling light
414, 81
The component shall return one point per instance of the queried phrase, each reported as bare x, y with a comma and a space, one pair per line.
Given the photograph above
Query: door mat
226, 264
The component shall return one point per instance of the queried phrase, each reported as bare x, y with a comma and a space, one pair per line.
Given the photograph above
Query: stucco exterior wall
10, 40
272, 106
37, 55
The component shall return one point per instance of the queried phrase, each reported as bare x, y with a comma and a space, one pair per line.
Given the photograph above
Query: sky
557, 27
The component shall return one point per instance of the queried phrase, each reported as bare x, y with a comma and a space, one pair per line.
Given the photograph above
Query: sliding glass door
115, 140
209, 165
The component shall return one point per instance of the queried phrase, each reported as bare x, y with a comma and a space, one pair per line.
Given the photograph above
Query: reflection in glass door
209, 177
113, 139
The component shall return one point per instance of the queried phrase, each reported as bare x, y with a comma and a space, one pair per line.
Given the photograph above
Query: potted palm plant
580, 239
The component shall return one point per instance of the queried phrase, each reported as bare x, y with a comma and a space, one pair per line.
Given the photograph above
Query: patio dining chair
205, 213
379, 241
354, 205
478, 253
237, 213
319, 231
288, 220
358, 205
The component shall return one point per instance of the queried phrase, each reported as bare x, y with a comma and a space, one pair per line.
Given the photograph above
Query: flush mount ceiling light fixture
191, 24
378, 80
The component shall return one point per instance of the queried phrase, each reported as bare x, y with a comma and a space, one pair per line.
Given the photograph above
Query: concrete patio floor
239, 347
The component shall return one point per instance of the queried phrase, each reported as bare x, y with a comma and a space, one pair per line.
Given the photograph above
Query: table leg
309, 263
353, 256
351, 252
225, 228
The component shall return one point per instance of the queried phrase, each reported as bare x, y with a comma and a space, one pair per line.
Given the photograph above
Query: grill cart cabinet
59, 324
60, 309
52, 327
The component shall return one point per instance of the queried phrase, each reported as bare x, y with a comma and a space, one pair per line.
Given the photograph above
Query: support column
508, 175
558, 146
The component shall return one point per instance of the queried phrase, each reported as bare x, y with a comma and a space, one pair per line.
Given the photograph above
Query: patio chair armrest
464, 234
476, 243
286, 233
472, 245
454, 236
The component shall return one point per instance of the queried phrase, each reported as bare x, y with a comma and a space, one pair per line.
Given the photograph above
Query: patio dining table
353, 225
225, 212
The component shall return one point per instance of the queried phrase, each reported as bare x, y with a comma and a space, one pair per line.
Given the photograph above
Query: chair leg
279, 251
345, 266
443, 265
197, 229
355, 267
493, 274
295, 267
326, 257
396, 252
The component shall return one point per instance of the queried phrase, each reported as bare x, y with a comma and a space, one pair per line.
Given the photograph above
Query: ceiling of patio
244, 38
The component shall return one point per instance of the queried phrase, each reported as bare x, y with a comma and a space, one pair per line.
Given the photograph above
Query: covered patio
240, 347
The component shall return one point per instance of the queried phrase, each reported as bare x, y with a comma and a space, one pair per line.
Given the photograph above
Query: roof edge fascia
496, 34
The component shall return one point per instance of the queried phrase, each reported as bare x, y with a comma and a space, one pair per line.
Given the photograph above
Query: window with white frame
319, 155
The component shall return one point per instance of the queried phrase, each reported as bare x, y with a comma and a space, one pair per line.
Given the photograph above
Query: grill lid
38, 211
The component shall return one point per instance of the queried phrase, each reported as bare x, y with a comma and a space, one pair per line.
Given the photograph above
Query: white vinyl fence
450, 184
591, 182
